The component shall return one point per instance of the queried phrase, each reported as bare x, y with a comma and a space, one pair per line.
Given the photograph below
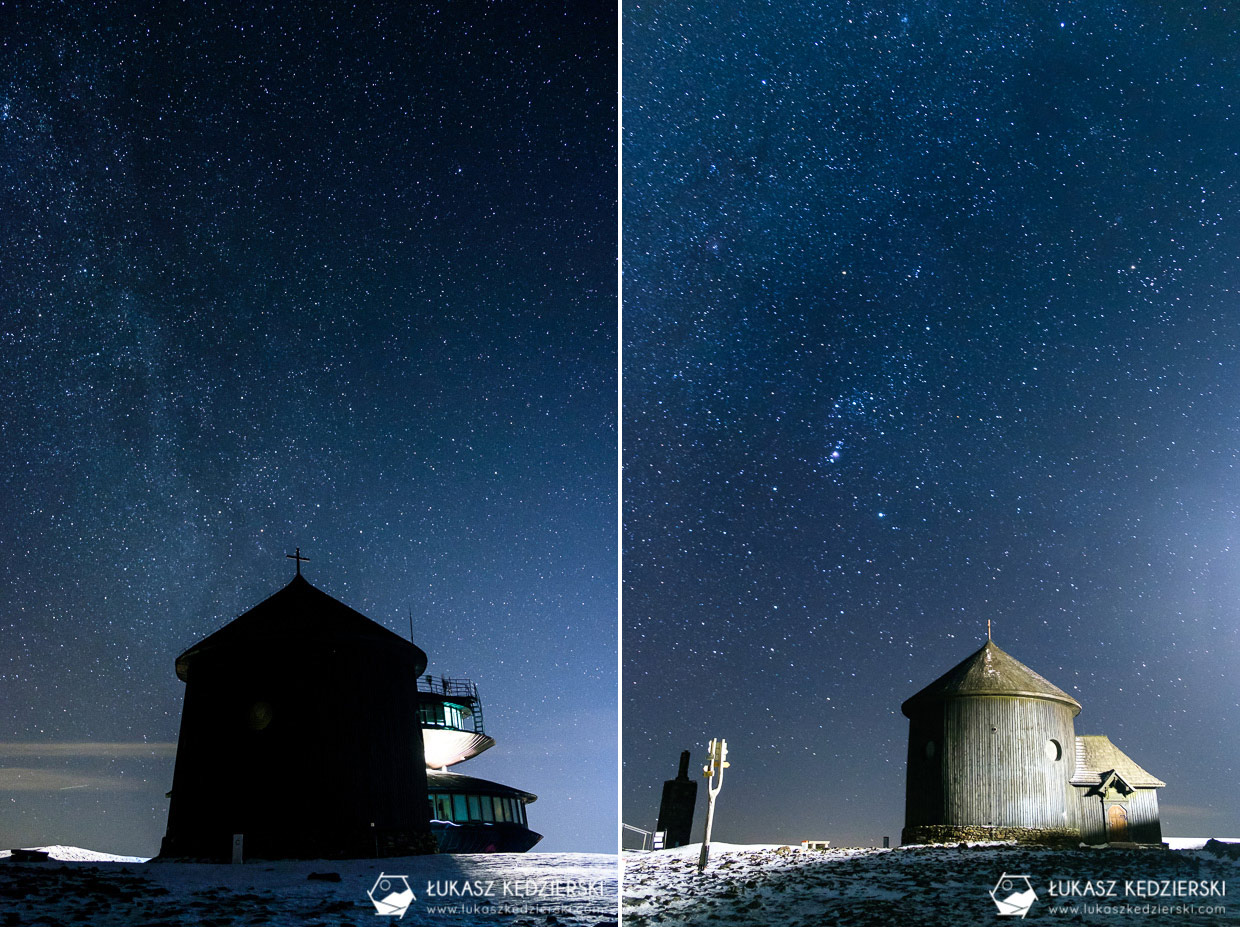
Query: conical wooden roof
989, 671
299, 612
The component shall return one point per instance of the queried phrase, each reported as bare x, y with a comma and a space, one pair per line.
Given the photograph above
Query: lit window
432, 715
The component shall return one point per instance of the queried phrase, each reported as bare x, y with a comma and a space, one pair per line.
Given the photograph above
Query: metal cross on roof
299, 558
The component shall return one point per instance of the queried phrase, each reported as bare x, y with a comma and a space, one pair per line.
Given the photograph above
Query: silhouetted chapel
300, 732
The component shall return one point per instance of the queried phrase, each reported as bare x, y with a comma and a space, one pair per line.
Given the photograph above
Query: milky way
332, 276
930, 319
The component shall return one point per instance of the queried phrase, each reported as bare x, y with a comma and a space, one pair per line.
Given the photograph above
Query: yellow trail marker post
716, 763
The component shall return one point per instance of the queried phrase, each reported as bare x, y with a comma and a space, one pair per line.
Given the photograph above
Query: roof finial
987, 629
299, 558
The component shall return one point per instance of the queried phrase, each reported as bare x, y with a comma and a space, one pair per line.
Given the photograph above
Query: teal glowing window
443, 807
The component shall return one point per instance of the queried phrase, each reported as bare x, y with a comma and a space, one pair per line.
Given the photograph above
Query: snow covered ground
78, 854
938, 886
518, 889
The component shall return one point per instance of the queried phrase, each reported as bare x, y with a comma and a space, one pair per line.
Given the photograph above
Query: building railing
444, 685
635, 839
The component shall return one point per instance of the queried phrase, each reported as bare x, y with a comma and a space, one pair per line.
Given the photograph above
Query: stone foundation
973, 833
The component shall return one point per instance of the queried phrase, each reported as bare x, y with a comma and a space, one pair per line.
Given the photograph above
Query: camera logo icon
1013, 895
391, 895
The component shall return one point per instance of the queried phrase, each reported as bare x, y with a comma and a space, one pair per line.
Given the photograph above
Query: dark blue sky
930, 318
336, 276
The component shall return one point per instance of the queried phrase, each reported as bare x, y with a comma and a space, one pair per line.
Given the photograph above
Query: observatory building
301, 733
468, 815
993, 755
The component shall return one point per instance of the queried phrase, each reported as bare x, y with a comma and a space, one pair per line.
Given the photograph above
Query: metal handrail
646, 835
444, 685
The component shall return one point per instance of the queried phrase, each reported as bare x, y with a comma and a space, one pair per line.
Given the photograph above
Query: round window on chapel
259, 716
1053, 750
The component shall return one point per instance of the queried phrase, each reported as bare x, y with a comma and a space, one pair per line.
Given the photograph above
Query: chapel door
1117, 824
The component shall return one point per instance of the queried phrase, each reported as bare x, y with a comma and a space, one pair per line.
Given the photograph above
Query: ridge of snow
78, 854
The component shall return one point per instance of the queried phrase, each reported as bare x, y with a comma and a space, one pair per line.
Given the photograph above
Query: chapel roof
989, 672
1096, 756
298, 612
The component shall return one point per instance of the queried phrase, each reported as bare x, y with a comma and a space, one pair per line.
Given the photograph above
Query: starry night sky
932, 316
339, 276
